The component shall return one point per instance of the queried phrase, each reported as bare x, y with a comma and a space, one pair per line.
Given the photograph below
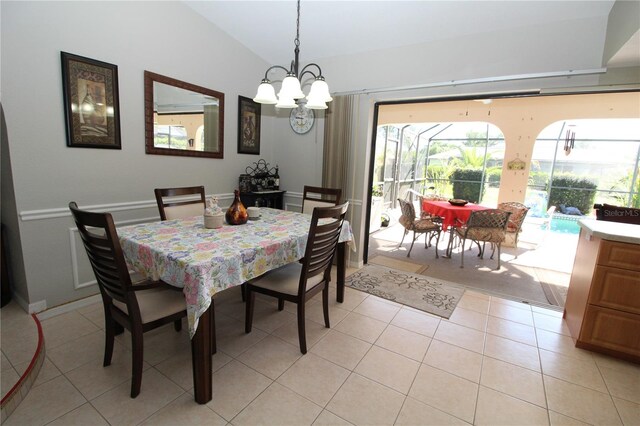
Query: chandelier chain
297, 40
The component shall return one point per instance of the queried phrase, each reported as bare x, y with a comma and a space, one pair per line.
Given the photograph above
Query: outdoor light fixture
569, 140
291, 90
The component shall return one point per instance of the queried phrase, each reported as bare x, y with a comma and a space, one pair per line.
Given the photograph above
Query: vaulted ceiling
336, 28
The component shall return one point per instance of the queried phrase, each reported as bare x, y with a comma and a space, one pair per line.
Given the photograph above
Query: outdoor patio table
203, 261
452, 216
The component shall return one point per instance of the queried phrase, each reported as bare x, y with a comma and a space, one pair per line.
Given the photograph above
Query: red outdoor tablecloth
451, 215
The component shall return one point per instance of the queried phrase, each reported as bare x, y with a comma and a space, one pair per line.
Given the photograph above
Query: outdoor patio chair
518, 214
484, 226
419, 226
426, 197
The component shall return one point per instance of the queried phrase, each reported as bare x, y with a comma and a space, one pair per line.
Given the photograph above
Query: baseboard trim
68, 307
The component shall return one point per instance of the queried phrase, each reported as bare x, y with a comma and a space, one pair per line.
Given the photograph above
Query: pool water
565, 226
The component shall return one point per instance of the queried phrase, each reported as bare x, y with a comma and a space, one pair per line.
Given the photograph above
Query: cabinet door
613, 330
619, 255
616, 288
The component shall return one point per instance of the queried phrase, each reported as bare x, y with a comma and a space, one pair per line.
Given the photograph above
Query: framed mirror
182, 118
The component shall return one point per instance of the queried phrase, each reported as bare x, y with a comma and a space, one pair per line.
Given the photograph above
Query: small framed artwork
248, 126
91, 107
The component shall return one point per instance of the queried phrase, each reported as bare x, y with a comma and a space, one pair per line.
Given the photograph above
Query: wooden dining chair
419, 226
484, 226
315, 196
138, 308
299, 282
175, 203
171, 208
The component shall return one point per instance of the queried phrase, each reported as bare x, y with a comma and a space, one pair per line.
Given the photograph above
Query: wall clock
301, 119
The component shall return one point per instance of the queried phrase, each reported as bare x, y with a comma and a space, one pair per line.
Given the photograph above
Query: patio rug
556, 294
401, 265
418, 291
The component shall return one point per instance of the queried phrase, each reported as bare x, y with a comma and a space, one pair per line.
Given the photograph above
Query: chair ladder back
323, 245
104, 252
322, 242
165, 201
316, 196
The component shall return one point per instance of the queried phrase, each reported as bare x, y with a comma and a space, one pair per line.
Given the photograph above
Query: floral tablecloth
203, 261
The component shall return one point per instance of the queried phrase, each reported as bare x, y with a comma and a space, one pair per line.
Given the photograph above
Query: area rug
556, 294
418, 291
401, 265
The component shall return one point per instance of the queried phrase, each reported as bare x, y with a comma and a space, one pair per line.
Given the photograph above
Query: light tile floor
494, 362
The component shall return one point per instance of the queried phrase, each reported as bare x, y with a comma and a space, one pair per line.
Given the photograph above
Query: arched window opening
581, 162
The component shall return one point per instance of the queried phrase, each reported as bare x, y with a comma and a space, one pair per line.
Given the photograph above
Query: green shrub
492, 176
538, 179
572, 191
470, 189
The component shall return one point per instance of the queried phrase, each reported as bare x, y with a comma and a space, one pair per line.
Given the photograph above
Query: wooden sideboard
269, 198
602, 309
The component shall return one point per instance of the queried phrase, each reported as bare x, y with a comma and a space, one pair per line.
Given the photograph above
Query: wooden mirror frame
150, 148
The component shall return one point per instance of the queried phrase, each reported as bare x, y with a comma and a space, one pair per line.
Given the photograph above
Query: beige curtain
211, 114
338, 130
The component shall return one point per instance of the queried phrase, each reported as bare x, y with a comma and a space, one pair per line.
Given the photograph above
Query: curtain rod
514, 77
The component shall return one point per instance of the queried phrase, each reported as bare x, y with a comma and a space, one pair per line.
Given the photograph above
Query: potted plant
377, 204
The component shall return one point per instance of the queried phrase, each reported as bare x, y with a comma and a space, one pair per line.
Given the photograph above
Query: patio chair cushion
491, 235
424, 225
515, 220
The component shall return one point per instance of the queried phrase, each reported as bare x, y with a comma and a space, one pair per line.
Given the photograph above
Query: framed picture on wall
248, 126
91, 107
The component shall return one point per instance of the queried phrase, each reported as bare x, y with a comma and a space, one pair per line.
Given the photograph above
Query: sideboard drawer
613, 330
616, 288
619, 255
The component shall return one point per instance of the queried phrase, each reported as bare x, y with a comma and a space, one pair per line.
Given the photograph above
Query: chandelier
291, 90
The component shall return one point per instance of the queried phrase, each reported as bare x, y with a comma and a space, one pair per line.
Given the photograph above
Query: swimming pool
565, 225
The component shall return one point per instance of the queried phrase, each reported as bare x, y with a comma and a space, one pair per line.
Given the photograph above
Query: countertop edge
612, 231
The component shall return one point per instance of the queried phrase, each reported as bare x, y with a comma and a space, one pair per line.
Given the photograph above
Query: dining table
202, 262
453, 216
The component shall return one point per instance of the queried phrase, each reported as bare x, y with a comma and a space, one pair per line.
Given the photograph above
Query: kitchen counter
612, 231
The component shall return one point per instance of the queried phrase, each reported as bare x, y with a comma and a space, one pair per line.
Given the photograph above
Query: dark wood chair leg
117, 329
243, 292
177, 325
248, 321
302, 335
212, 314
109, 328
137, 352
325, 305
280, 304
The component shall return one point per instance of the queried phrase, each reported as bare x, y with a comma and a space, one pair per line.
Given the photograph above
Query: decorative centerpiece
458, 202
213, 215
237, 213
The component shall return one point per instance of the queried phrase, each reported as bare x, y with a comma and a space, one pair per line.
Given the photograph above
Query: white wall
164, 37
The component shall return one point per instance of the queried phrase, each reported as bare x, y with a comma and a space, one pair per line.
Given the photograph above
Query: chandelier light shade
291, 89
